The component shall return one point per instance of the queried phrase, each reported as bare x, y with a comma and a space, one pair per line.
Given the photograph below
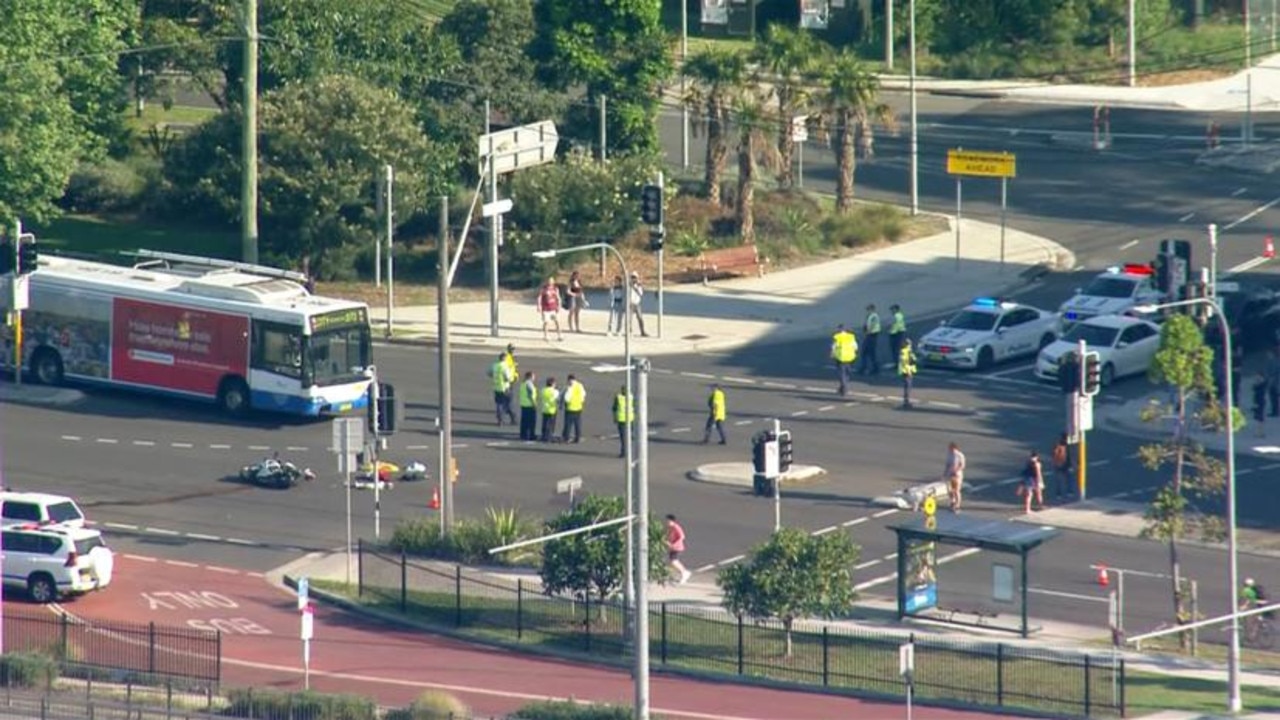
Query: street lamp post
1234, 702
911, 90
628, 587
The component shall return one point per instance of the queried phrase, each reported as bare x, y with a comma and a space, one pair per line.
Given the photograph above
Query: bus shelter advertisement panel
176, 348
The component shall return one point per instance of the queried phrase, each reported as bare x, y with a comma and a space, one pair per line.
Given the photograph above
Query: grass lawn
107, 237
1146, 693
155, 114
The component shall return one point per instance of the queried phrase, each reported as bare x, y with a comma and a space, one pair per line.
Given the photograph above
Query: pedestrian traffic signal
1069, 373
6, 257
651, 205
28, 257
784, 451
1092, 374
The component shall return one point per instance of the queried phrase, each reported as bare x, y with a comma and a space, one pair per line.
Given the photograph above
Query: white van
21, 508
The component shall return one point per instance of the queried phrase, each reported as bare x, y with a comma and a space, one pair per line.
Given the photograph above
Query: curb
911, 497
739, 474
39, 395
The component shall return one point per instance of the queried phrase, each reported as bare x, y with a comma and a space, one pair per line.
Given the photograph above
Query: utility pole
495, 228
684, 82
911, 82
1133, 45
604, 154
446, 381
662, 231
389, 176
249, 173
16, 278
888, 35
642, 541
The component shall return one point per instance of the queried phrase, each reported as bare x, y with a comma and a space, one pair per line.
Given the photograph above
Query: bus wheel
233, 396
46, 367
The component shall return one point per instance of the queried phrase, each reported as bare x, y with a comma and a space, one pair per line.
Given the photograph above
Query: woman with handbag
1032, 484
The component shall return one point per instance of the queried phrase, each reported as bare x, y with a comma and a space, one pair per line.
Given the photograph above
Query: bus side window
277, 349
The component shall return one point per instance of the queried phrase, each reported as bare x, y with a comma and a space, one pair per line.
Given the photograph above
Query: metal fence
710, 640
117, 649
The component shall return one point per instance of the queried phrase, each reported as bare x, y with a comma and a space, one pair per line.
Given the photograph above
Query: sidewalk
920, 275
1126, 418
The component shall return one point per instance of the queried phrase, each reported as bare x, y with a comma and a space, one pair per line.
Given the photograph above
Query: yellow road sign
930, 506
982, 164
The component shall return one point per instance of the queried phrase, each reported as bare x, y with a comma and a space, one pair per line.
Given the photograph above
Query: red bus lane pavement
261, 647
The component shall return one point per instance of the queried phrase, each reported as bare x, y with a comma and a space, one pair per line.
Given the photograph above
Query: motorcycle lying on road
275, 473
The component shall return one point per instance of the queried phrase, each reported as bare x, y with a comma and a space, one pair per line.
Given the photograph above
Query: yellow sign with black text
982, 164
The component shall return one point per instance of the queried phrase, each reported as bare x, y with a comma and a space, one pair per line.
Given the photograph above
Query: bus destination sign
339, 318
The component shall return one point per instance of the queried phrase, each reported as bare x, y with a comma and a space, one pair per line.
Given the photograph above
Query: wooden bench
981, 615
722, 262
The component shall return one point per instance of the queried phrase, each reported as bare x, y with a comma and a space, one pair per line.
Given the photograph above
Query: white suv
20, 508
52, 561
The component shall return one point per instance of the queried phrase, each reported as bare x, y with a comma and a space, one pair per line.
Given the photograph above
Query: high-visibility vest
510, 361
501, 379
906, 361
844, 347
550, 400
624, 409
873, 323
528, 395
899, 323
717, 405
575, 396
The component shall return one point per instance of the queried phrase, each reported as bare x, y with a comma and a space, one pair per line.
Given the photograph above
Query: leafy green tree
1184, 364
593, 563
850, 104
790, 57
753, 126
793, 575
715, 76
617, 49
189, 39
323, 144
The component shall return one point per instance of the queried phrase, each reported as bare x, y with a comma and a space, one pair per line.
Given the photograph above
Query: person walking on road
503, 379
617, 307
550, 407
636, 297
575, 300
844, 350
906, 370
1032, 485
575, 398
509, 357
529, 407
897, 329
953, 474
716, 414
870, 363
1062, 471
675, 547
549, 308
624, 414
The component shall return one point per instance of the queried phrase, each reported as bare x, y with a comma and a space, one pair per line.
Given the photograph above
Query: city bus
246, 337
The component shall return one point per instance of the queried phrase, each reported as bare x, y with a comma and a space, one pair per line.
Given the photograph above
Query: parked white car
1114, 292
1125, 346
54, 561
20, 508
985, 332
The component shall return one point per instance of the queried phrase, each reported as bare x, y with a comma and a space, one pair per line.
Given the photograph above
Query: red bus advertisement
175, 348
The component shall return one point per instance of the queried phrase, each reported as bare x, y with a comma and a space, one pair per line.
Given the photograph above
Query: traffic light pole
17, 311
1082, 459
662, 231
777, 481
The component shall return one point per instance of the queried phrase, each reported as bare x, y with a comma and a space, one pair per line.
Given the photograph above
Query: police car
988, 331
1114, 292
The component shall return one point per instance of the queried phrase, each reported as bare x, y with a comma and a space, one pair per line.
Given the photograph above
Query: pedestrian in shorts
675, 546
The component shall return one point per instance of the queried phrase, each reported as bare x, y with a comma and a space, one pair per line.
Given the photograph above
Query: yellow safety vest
501, 380
550, 400
717, 405
624, 409
844, 347
873, 323
510, 361
575, 396
899, 324
528, 395
906, 361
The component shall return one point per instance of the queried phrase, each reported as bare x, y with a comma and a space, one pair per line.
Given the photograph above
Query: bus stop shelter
918, 539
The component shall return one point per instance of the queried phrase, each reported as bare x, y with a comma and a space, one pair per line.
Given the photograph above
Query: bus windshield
334, 356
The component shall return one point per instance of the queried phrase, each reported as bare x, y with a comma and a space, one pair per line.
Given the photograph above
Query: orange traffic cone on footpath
435, 499
1103, 579
1269, 248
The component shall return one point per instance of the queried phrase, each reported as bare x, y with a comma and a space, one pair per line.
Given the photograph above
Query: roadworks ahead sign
982, 164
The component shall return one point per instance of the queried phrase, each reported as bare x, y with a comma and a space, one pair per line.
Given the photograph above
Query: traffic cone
1103, 579
435, 499
1269, 248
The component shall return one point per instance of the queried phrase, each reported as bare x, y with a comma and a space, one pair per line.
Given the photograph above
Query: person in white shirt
637, 296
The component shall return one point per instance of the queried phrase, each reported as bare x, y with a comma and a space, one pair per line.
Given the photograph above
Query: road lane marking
202, 536
700, 376
107, 441
679, 430
940, 403
1244, 471
1186, 217
507, 443
732, 379
744, 422
664, 371
217, 569
119, 526
417, 447
144, 443
1099, 463
161, 531
827, 529
181, 563
296, 448
241, 541
780, 386
143, 558
1251, 214
1068, 595
815, 389
259, 447
799, 413
219, 447
1010, 371
826, 408
891, 576
855, 521
1239, 191
181, 445
1246, 266
72, 438
1128, 245
885, 513
867, 564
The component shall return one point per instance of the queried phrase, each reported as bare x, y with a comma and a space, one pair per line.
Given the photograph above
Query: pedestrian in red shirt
675, 546
549, 307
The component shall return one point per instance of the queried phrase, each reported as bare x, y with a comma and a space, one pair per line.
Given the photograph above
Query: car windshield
972, 320
64, 512
333, 356
1109, 287
1091, 335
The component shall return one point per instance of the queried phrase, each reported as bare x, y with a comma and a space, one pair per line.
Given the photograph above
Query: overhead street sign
501, 207
982, 164
520, 147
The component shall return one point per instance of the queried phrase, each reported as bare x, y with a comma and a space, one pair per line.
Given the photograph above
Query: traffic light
651, 205
758, 444
656, 239
382, 409
28, 257
1069, 373
784, 451
1163, 273
1092, 374
6, 257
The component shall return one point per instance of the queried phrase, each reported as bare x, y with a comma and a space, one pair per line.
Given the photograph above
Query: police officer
509, 357
897, 329
550, 408
844, 350
870, 364
715, 415
529, 407
624, 413
906, 370
575, 398
503, 379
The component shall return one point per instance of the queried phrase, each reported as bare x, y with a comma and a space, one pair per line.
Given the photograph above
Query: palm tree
753, 125
789, 57
850, 103
716, 76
